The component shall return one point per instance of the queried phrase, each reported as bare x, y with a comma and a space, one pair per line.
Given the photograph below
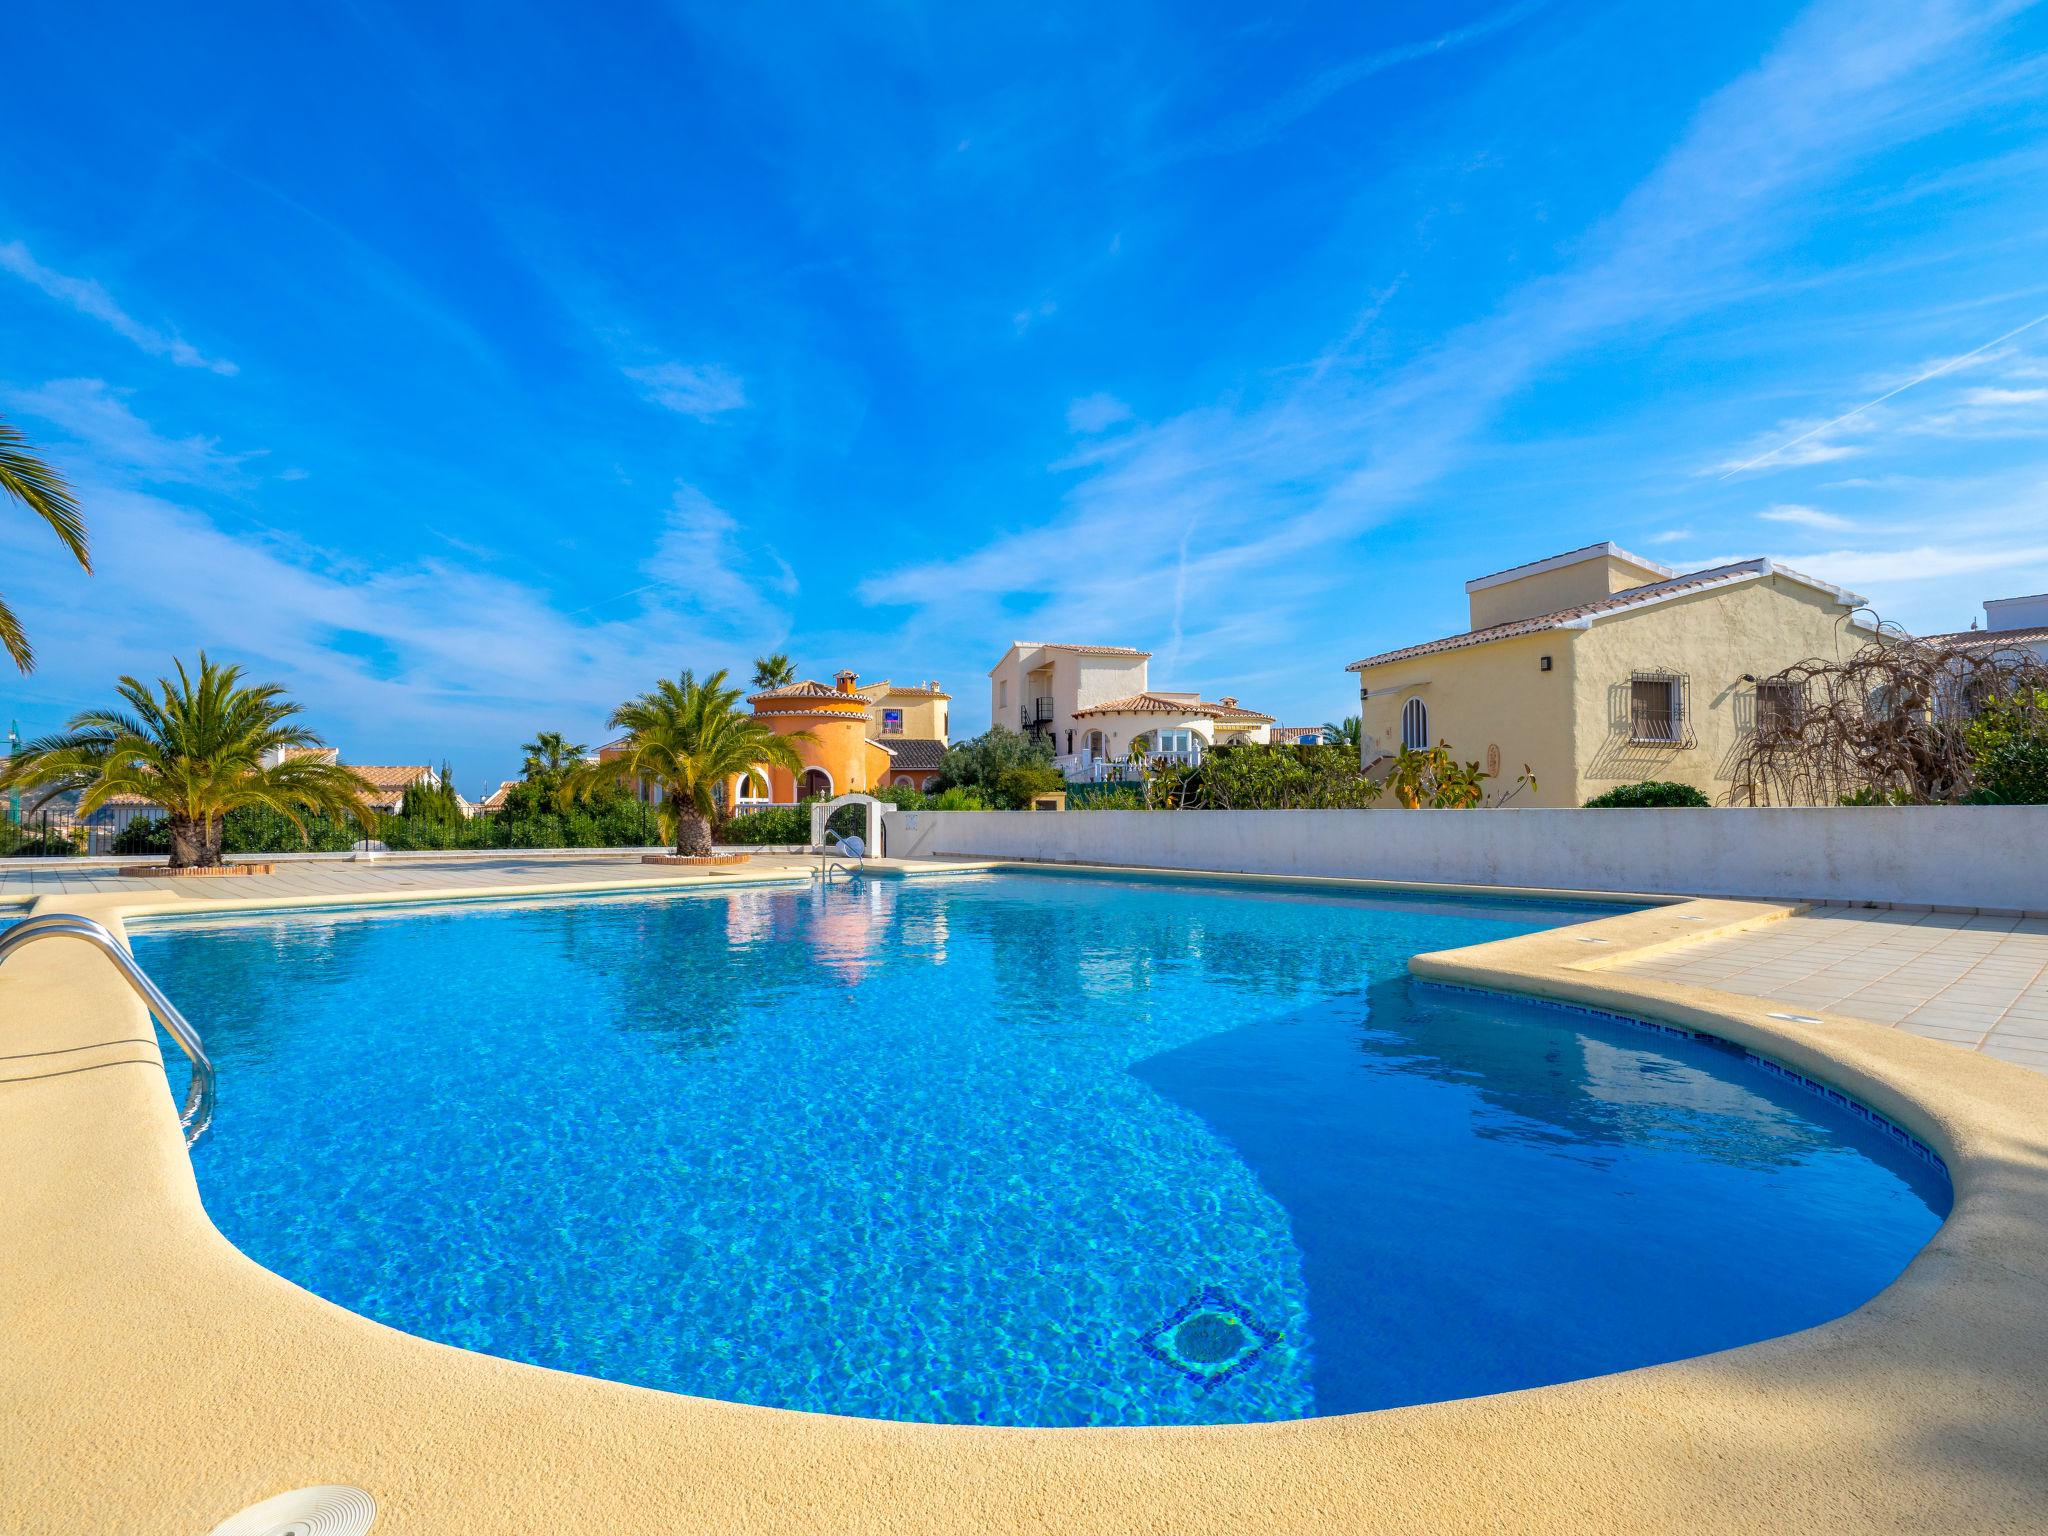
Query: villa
494, 802
1299, 735
1598, 667
850, 739
2020, 623
910, 724
389, 782
1094, 703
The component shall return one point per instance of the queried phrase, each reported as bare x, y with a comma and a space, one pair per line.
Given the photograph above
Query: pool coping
154, 1378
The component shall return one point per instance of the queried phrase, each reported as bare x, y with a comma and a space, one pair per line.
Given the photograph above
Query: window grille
1659, 709
1415, 726
1778, 708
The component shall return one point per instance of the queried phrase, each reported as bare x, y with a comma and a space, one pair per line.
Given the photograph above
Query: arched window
753, 788
904, 778
816, 784
1415, 726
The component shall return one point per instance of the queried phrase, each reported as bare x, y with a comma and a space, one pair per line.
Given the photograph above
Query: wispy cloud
1804, 517
1096, 413
93, 301
1778, 456
1273, 482
1925, 562
702, 390
463, 653
1263, 124
98, 416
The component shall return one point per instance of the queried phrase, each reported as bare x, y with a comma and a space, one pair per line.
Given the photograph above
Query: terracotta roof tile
918, 754
1537, 623
1085, 650
2033, 634
384, 776
1156, 703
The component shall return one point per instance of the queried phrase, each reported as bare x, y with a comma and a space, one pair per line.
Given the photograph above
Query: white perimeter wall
1955, 856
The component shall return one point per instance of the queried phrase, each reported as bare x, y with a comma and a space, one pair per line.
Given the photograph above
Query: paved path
1979, 982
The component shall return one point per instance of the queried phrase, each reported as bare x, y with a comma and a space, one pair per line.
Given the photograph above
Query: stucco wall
1962, 856
1570, 724
1714, 638
1547, 591
1489, 695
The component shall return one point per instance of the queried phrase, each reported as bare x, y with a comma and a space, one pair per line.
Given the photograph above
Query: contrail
1933, 373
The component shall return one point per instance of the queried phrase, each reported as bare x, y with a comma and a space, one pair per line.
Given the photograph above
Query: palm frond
30, 481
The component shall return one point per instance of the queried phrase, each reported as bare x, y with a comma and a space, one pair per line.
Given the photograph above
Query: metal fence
51, 835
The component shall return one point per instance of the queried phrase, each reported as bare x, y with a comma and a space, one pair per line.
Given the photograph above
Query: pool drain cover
332, 1510
1209, 1339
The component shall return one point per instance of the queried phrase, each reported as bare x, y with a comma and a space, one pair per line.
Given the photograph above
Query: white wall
1961, 856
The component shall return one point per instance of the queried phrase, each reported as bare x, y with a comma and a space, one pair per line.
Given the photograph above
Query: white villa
2010, 623
1094, 703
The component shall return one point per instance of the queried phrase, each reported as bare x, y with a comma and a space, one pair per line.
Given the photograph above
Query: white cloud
1805, 517
1096, 413
97, 415
1272, 480
93, 301
1923, 562
462, 654
1267, 122
702, 390
1998, 397
700, 561
1671, 536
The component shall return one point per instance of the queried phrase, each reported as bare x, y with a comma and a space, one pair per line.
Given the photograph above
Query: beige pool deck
154, 1379
1979, 982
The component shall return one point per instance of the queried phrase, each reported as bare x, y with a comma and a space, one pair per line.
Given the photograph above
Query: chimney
1229, 701
846, 680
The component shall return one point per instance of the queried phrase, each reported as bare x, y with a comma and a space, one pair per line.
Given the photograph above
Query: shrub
777, 824
2008, 747
145, 834
1020, 783
1105, 797
18, 843
980, 765
1254, 777
1651, 794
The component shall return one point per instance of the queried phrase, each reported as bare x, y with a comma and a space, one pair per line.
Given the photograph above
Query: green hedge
777, 824
620, 823
1651, 794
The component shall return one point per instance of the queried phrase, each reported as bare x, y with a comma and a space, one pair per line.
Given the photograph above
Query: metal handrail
834, 854
198, 1111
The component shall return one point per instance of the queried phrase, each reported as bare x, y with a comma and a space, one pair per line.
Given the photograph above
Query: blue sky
466, 367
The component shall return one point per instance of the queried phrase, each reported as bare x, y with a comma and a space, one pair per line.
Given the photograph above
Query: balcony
1087, 768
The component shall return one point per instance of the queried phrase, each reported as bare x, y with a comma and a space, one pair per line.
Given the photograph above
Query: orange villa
859, 738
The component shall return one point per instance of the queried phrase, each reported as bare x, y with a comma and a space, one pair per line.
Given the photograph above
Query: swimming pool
1011, 1149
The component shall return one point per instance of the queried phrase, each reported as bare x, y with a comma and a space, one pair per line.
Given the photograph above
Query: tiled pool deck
1976, 982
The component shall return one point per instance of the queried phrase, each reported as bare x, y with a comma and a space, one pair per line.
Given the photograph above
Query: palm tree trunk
195, 842
693, 832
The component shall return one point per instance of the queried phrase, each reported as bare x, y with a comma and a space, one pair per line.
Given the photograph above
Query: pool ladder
198, 1111
833, 854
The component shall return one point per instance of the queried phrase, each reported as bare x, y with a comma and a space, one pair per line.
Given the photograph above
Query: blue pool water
1011, 1149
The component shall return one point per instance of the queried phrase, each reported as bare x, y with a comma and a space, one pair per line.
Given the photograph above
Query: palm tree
776, 671
198, 749
550, 753
1344, 733
44, 492
687, 740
